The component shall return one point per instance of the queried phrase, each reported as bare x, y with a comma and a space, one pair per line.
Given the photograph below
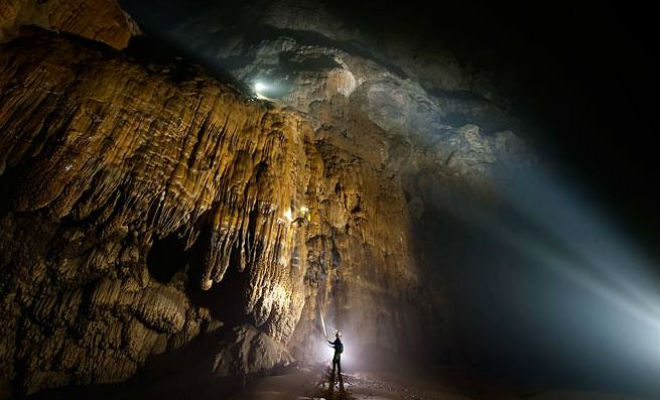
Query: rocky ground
313, 382
450, 384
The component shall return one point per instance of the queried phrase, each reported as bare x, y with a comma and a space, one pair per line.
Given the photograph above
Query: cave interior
197, 196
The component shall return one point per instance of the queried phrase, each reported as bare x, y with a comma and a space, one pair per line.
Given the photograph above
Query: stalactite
105, 157
113, 149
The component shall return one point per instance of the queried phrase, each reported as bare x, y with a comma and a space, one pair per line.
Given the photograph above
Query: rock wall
99, 20
399, 103
146, 206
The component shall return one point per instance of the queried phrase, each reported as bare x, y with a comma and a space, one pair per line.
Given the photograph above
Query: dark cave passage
166, 257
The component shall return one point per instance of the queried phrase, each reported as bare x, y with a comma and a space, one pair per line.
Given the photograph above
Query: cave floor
314, 383
308, 384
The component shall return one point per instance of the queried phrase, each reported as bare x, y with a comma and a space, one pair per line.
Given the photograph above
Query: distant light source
259, 88
602, 294
328, 351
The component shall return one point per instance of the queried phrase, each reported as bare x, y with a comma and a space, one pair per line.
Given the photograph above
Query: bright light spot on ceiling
259, 88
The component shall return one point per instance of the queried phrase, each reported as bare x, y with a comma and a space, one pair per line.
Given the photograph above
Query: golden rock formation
104, 162
100, 20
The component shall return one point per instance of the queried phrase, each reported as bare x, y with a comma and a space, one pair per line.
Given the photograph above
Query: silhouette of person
336, 360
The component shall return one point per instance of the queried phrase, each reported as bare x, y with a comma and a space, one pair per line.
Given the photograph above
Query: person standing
336, 360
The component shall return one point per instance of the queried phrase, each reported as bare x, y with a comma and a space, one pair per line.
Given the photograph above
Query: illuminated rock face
145, 207
405, 108
100, 20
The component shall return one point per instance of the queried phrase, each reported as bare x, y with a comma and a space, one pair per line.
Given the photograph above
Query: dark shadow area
226, 299
158, 54
177, 374
166, 257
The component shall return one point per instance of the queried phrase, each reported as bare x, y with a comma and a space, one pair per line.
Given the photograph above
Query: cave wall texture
147, 205
101, 20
